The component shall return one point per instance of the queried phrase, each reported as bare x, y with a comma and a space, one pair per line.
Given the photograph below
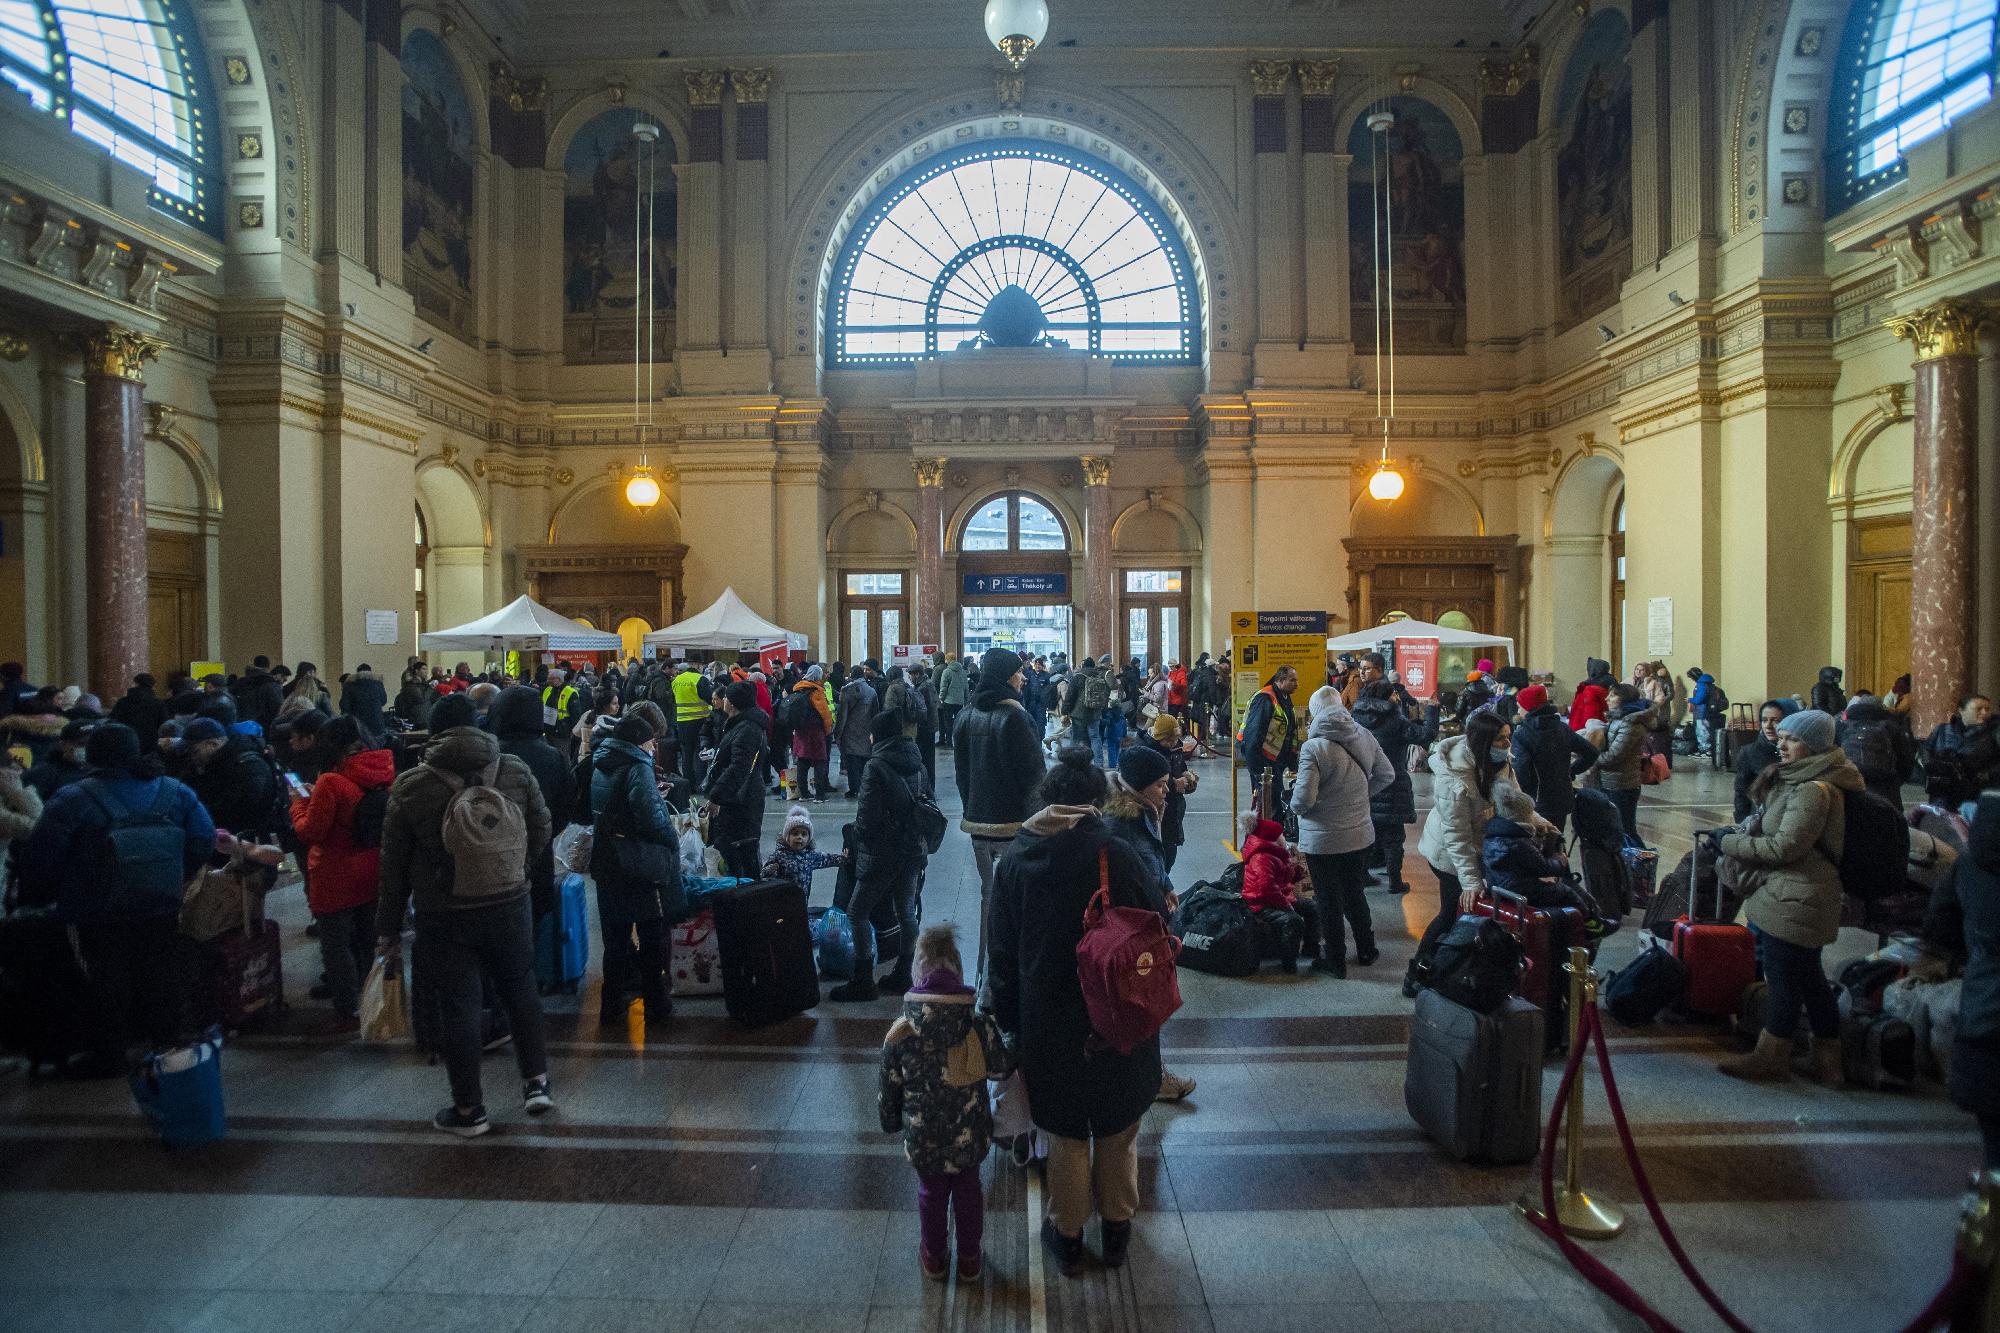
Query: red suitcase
1546, 936
1720, 957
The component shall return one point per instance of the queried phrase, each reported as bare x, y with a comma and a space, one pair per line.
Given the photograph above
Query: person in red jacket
344, 862
1270, 872
1589, 705
1177, 690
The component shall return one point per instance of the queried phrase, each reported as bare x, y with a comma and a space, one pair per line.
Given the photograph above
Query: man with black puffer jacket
890, 856
516, 721
736, 781
471, 904
236, 783
1548, 756
1880, 746
996, 755
1827, 696
1394, 808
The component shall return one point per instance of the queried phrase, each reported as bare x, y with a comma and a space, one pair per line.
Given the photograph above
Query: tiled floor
719, 1179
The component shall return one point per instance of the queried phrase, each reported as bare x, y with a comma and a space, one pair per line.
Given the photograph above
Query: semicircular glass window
1013, 245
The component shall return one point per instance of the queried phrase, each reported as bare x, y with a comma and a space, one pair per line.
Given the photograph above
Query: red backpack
1125, 965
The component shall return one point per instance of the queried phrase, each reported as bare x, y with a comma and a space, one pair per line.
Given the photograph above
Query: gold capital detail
1269, 77
1010, 86
520, 94
704, 87
1316, 76
753, 86
13, 347
1506, 78
930, 471
118, 353
1096, 471
1949, 328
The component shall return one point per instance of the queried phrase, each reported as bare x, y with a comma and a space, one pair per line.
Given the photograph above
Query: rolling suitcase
1720, 957
1606, 878
766, 948
1546, 935
44, 995
242, 977
562, 939
1474, 1081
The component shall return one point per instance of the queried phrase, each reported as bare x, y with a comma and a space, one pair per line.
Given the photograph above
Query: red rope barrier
1957, 1288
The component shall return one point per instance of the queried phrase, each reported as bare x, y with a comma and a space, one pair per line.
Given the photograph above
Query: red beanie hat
1532, 698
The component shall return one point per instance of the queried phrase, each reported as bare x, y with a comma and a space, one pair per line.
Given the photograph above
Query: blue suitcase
562, 939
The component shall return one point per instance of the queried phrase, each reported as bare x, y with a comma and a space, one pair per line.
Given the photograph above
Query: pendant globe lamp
1386, 482
642, 489
1016, 27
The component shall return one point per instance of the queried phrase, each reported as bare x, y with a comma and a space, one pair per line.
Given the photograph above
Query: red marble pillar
930, 550
114, 524
1944, 483
1100, 607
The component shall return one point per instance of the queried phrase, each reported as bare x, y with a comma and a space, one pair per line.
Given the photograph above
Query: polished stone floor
714, 1178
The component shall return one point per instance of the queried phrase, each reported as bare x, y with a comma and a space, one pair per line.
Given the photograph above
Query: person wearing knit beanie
997, 667
1533, 697
798, 817
1811, 728
885, 727
112, 745
1142, 766
1166, 729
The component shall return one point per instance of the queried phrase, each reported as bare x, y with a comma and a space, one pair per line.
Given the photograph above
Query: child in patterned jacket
935, 1063
794, 857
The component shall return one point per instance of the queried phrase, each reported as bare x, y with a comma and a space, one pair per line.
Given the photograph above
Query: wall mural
1594, 170
438, 183
1426, 171
600, 283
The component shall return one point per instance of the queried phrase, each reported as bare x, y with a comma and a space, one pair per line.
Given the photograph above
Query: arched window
423, 563
1014, 521
1013, 245
128, 76
1907, 69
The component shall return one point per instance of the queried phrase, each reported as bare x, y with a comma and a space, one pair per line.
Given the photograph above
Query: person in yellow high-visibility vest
691, 709
562, 705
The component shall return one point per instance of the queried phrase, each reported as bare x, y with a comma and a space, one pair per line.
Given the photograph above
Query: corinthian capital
930, 471
119, 353
1948, 328
752, 85
1269, 77
1316, 77
704, 87
1096, 471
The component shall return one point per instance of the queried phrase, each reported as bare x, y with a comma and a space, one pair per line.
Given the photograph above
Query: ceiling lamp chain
642, 492
1016, 27
1386, 483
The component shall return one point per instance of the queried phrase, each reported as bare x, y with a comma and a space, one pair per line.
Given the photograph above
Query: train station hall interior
1633, 330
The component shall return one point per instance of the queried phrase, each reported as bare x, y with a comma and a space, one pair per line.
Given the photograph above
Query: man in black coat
365, 696
889, 859
233, 779
736, 781
258, 694
1548, 756
1383, 711
996, 755
516, 722
141, 709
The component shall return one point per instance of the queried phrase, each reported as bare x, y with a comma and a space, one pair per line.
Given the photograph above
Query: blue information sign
1291, 622
1014, 585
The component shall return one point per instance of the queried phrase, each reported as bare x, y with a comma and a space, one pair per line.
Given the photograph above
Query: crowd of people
427, 819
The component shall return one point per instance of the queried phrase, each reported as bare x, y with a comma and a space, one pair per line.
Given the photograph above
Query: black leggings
1340, 887
1449, 890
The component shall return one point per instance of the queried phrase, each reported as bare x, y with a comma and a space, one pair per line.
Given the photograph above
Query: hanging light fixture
1016, 27
643, 491
1385, 483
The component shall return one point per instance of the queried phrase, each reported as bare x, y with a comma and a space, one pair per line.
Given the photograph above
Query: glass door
1031, 631
873, 611
1156, 618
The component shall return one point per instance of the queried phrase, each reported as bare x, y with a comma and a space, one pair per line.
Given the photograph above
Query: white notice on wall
1659, 626
382, 627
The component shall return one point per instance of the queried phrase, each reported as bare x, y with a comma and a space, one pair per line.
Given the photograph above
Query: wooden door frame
1367, 556
1154, 602
662, 605
1864, 568
874, 603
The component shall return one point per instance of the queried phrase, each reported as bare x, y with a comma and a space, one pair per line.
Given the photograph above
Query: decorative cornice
1316, 77
753, 86
930, 472
1506, 78
1948, 328
704, 87
1536, 461
119, 353
1269, 77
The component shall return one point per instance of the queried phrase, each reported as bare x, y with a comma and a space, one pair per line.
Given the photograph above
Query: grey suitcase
1474, 1082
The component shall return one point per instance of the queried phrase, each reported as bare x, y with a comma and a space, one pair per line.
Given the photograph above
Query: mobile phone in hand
298, 787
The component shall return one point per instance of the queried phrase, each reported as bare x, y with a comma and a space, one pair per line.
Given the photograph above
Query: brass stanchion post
1576, 1212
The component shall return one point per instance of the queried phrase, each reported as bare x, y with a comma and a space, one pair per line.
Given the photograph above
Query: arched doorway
1586, 574
1014, 576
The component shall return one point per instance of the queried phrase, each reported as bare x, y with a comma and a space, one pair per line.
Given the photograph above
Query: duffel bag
1216, 932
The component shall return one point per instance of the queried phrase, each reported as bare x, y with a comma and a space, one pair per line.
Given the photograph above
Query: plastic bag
833, 942
385, 1005
696, 961
693, 853
572, 849
180, 1092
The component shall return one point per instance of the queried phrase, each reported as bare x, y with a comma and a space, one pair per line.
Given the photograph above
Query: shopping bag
696, 962
833, 944
180, 1092
1010, 1108
385, 1006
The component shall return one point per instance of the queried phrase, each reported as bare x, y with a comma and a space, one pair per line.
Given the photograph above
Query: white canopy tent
1362, 640
523, 625
727, 626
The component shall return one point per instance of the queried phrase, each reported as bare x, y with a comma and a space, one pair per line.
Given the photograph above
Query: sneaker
1398, 889
933, 1266
1117, 1242
969, 1267
464, 1126
1068, 1250
1173, 1087
535, 1098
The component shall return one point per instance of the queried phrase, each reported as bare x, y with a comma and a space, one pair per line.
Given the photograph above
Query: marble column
1100, 607
699, 310
930, 550
114, 525
1944, 485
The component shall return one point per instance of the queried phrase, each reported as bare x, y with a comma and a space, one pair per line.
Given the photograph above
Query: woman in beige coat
1790, 850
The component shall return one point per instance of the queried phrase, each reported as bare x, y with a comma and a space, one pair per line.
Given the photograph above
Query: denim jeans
1110, 737
1798, 981
459, 947
347, 952
961, 1197
896, 883
1628, 809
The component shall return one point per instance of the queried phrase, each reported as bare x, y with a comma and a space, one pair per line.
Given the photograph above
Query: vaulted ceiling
537, 32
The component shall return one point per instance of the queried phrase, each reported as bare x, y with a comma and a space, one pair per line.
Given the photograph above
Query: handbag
180, 1092
930, 821
632, 860
219, 901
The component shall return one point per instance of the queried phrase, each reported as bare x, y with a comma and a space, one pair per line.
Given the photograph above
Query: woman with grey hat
1788, 853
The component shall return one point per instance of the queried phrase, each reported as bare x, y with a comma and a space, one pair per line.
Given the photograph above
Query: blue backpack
141, 868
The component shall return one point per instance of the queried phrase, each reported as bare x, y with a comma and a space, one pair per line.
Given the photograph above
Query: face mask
1498, 755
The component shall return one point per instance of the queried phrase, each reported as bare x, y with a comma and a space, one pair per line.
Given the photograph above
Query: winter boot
1825, 1063
862, 987
898, 980
1770, 1061
1117, 1242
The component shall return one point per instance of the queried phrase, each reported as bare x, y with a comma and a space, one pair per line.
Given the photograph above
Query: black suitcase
765, 940
1474, 1082
45, 1001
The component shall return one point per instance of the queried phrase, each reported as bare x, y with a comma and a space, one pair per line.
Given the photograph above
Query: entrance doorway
1031, 631
176, 601
874, 608
1878, 601
1155, 614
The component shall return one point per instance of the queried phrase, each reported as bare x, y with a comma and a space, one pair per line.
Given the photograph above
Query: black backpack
1476, 964
1875, 854
1718, 701
800, 715
141, 865
1597, 820
1635, 993
370, 813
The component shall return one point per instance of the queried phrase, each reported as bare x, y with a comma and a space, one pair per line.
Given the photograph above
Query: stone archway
1582, 573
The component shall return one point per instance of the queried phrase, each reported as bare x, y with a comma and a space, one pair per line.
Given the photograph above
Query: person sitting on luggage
794, 858
1790, 849
1271, 875
1514, 861
122, 893
935, 1062
344, 859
